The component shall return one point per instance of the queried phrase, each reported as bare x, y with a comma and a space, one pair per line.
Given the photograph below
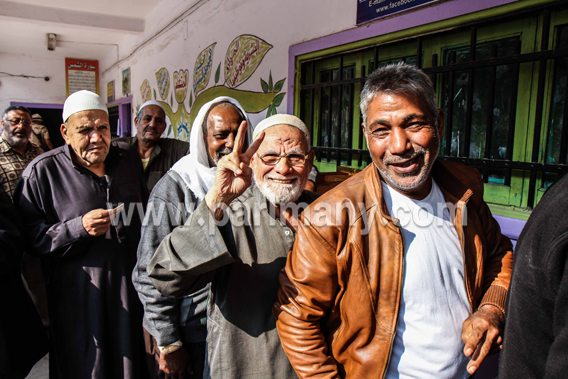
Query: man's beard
279, 193
420, 177
221, 153
17, 139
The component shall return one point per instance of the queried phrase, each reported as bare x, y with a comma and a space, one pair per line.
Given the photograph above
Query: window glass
489, 105
336, 102
558, 103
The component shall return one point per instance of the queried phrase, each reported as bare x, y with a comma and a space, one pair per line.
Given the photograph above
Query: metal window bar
513, 113
340, 110
313, 98
489, 126
449, 117
361, 136
539, 106
329, 121
564, 135
320, 125
470, 85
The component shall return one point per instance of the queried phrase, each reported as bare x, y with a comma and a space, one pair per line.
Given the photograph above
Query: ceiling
84, 29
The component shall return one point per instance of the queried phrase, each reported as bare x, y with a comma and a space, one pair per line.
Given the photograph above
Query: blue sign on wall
368, 10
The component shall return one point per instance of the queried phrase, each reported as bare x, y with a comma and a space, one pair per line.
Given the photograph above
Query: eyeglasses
292, 159
16, 121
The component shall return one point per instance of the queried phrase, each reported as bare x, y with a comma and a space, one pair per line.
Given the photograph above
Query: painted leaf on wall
278, 99
270, 82
146, 91
155, 98
163, 79
218, 73
279, 84
243, 57
264, 85
202, 69
180, 84
190, 99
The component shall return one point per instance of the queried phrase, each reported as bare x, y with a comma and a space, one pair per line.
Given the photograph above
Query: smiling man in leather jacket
393, 266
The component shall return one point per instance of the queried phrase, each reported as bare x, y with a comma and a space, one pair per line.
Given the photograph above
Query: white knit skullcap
281, 119
82, 101
151, 102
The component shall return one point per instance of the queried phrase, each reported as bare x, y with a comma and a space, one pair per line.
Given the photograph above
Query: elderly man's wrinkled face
223, 123
17, 128
88, 135
151, 124
280, 166
403, 142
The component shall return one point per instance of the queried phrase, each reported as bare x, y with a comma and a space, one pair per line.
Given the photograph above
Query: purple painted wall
38, 105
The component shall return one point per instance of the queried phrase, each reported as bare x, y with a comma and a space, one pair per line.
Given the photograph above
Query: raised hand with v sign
233, 175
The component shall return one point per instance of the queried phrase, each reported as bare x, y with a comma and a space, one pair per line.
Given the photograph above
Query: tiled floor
40, 370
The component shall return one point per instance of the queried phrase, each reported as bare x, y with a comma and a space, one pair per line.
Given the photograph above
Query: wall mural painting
145, 91
244, 54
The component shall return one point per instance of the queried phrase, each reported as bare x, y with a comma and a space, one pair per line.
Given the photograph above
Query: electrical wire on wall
4, 74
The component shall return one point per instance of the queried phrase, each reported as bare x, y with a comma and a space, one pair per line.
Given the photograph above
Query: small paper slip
113, 212
118, 209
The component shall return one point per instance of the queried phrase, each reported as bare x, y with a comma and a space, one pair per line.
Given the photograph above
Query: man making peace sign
238, 239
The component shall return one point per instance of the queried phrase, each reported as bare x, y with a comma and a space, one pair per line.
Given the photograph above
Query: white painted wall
31, 90
174, 42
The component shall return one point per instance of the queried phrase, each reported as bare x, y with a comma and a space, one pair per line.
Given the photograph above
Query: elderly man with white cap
238, 240
67, 198
175, 329
158, 154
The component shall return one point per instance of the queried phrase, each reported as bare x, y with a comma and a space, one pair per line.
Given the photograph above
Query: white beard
278, 193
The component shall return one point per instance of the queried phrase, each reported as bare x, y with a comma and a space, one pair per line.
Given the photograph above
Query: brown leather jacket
340, 292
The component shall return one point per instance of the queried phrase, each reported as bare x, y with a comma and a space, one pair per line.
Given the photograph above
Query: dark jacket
23, 341
167, 152
340, 292
95, 315
536, 331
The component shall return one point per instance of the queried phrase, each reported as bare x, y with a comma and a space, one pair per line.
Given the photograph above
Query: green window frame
510, 136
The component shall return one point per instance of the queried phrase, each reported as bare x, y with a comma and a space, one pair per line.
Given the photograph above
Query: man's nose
282, 167
153, 122
230, 140
399, 142
96, 136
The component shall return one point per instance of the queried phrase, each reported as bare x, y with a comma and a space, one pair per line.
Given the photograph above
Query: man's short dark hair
400, 79
16, 108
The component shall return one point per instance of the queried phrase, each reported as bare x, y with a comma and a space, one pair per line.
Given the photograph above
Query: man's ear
136, 122
311, 156
310, 159
65, 134
441, 119
364, 129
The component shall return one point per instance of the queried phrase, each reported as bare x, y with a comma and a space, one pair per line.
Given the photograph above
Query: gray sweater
167, 319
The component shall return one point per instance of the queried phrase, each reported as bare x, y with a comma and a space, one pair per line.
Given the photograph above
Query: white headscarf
194, 168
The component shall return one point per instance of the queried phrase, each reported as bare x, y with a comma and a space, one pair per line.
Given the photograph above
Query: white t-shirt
434, 301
